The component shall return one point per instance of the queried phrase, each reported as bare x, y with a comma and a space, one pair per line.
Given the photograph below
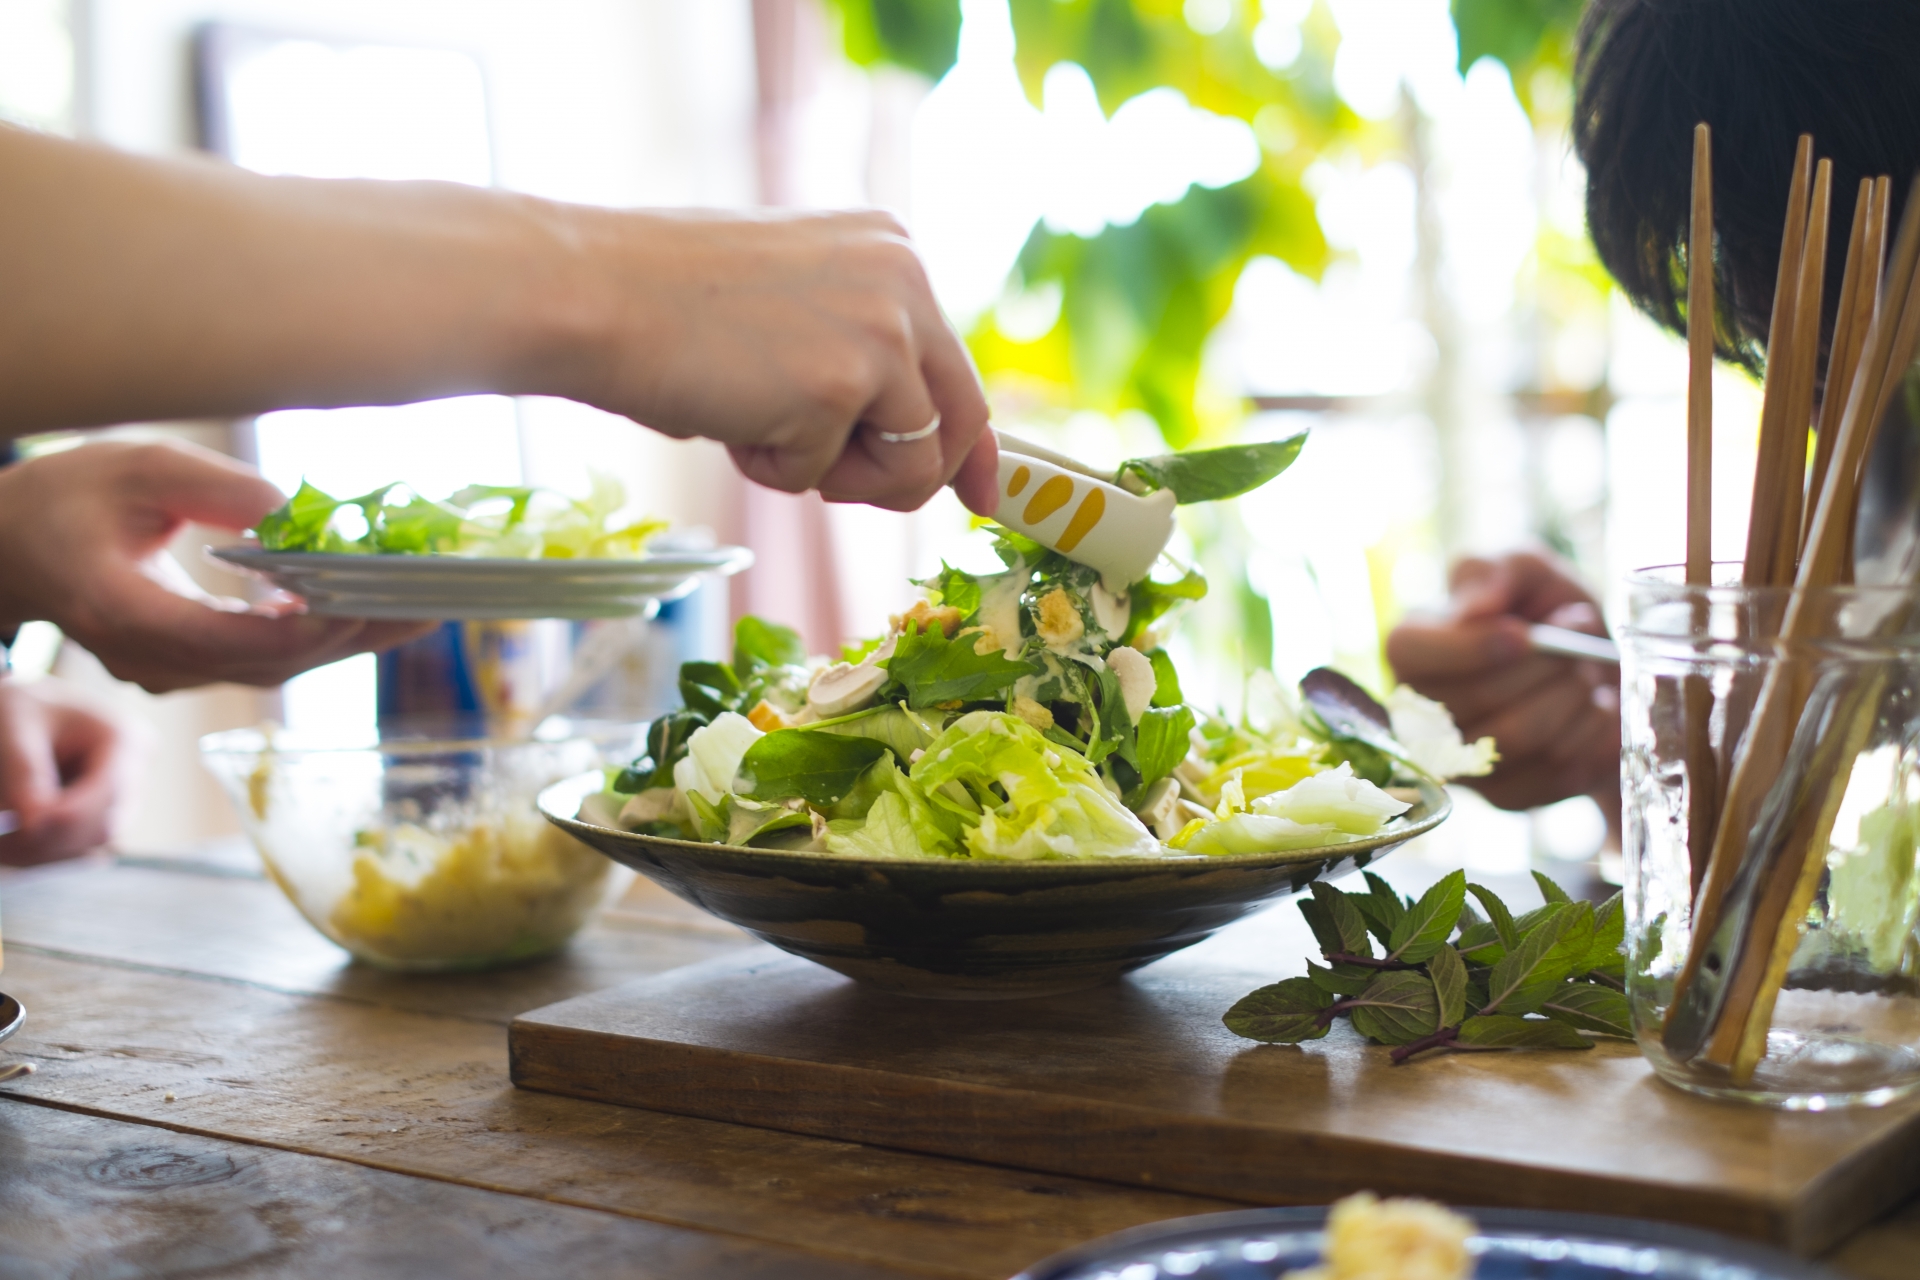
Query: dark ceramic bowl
959, 930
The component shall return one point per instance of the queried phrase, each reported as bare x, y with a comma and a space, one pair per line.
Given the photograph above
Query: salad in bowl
1019, 716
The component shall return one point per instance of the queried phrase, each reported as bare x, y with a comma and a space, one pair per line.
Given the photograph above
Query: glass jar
419, 855
1771, 794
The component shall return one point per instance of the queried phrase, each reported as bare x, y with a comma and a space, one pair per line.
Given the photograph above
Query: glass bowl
417, 854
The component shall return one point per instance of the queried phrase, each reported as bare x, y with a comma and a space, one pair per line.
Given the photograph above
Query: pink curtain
795, 579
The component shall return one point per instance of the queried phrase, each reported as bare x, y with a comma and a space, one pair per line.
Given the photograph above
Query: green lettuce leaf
898, 822
928, 669
1161, 742
954, 588
303, 523
759, 643
1210, 475
820, 768
1036, 800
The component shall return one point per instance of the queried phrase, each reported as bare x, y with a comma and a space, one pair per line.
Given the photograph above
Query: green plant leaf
1480, 944
1396, 1008
1449, 974
1550, 889
1166, 681
1381, 906
301, 523
954, 588
900, 729
1344, 918
1325, 933
1148, 601
817, 767
1607, 955
931, 669
1504, 1031
1210, 475
1497, 913
1423, 929
1530, 972
709, 688
1341, 979
759, 643
1598, 1011
747, 821
919, 35
666, 746
1284, 1013
1161, 742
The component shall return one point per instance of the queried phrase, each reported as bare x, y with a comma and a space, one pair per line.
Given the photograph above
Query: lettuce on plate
1426, 731
508, 522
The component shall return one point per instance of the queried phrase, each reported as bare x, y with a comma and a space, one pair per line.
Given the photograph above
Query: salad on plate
1029, 713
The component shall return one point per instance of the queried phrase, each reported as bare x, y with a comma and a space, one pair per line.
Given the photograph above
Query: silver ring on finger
908, 437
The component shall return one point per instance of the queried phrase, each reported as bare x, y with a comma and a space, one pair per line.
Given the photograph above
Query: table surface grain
220, 1092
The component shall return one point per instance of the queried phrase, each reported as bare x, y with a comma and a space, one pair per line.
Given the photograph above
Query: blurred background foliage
1138, 302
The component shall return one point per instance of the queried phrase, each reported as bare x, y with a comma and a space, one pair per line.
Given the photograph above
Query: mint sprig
1443, 978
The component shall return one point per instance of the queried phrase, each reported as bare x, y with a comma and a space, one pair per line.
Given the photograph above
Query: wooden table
219, 1092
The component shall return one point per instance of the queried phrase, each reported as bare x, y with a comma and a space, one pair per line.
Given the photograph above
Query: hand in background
795, 340
1556, 721
83, 537
60, 764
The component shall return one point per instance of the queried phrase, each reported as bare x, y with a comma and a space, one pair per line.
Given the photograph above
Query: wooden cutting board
1139, 1083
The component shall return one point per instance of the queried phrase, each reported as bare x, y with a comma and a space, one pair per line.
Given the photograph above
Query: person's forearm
140, 289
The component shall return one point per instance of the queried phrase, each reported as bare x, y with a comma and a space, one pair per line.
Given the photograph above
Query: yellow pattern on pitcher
1091, 508
1047, 499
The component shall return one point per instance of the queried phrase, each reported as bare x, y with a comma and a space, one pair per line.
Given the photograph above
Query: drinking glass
1771, 792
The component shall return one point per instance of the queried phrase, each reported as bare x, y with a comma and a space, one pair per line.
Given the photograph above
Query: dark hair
1761, 73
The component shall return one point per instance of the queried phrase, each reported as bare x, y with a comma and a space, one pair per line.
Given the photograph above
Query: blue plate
1512, 1244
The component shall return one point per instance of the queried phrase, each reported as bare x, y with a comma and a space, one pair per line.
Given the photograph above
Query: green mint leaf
817, 767
1476, 991
1341, 979
1598, 1011
1449, 974
1396, 1008
1496, 912
1529, 972
1161, 741
1166, 681
301, 523
931, 669
1209, 475
1347, 924
1502, 1031
709, 688
1284, 1013
1607, 955
1320, 920
1550, 889
759, 643
1149, 600
1381, 906
1423, 929
1479, 943
954, 588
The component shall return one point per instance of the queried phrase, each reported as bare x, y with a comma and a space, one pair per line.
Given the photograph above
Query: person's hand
60, 764
1556, 721
796, 341
83, 537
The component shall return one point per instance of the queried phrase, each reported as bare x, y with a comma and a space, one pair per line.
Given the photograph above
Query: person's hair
1760, 73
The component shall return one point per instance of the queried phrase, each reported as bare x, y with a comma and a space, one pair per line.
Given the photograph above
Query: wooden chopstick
1866, 304
1845, 351
1765, 567
1739, 1038
1801, 370
1703, 771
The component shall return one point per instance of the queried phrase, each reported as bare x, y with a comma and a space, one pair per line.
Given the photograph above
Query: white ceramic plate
455, 587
